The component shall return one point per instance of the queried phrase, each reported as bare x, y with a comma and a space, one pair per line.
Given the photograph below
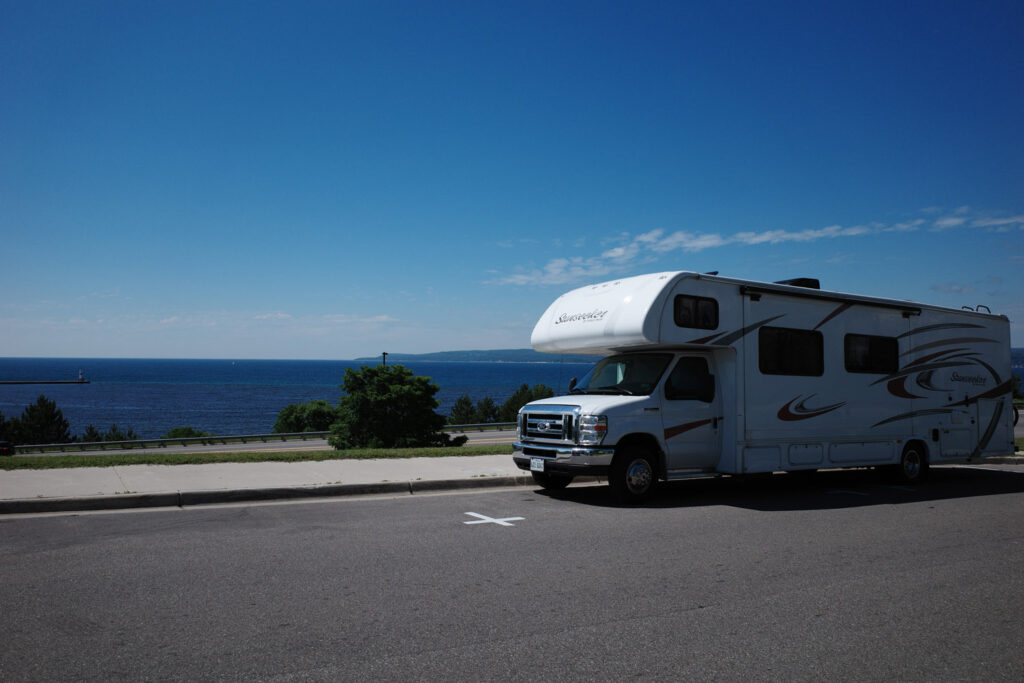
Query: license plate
536, 465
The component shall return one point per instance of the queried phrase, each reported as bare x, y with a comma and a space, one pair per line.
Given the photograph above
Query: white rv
712, 375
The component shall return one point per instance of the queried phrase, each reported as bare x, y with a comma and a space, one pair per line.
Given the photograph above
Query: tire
913, 467
633, 475
551, 482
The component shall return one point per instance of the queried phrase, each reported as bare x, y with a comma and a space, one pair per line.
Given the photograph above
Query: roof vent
807, 282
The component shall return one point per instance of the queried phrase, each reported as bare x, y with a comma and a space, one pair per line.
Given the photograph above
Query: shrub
185, 433
313, 416
388, 407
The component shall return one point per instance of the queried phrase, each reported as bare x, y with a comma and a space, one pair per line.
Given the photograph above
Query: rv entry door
691, 416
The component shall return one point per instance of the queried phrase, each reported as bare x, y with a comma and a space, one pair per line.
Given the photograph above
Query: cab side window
690, 380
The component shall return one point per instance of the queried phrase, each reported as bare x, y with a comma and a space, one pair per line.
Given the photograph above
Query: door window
690, 380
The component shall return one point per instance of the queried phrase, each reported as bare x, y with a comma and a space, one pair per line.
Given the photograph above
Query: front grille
556, 426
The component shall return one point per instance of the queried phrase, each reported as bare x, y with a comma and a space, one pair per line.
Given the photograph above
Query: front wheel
913, 467
632, 476
551, 482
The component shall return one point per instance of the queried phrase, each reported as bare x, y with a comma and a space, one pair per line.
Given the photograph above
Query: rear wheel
633, 475
551, 482
913, 467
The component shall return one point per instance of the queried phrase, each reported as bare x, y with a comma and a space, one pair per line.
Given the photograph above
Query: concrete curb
999, 460
186, 498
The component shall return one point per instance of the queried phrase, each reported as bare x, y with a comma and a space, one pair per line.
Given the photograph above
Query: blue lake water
233, 397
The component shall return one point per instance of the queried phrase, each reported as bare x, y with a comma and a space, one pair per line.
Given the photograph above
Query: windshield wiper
610, 390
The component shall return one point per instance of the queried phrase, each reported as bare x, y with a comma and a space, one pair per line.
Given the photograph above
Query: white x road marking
484, 519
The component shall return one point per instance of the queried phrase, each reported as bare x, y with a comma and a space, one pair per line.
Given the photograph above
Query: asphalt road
844, 577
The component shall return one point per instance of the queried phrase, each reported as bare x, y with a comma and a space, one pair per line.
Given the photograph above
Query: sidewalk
139, 486
133, 486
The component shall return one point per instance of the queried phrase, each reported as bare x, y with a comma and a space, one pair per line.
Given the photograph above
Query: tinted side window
691, 380
868, 353
785, 351
696, 311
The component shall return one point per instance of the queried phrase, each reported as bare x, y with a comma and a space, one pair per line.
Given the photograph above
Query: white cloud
949, 222
908, 226
630, 250
999, 222
952, 288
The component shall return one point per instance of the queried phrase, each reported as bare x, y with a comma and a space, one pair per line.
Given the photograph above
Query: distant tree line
43, 422
485, 410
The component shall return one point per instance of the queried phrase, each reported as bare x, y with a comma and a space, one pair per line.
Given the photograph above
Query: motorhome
705, 375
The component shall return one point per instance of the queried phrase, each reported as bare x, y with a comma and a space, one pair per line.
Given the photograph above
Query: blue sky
332, 180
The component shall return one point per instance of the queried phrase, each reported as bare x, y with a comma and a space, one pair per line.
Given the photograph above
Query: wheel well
921, 446
646, 442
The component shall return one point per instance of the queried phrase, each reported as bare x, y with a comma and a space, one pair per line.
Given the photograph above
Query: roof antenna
711, 272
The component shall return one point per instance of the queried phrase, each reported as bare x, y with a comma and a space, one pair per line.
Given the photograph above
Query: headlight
519, 425
592, 429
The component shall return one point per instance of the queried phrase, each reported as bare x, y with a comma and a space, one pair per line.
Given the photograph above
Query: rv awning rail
755, 292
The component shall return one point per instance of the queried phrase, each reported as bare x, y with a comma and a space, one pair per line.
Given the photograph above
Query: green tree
313, 416
93, 435
185, 433
487, 410
388, 407
116, 434
524, 394
463, 412
8, 428
43, 422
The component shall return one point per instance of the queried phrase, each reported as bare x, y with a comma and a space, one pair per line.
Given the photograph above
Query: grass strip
36, 462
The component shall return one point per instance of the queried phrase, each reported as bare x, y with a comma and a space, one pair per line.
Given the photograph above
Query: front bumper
565, 459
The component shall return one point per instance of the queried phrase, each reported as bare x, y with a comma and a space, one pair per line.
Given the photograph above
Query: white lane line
484, 519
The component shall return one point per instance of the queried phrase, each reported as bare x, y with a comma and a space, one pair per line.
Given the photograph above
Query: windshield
635, 374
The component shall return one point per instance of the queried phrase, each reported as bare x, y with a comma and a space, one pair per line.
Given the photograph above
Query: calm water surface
233, 397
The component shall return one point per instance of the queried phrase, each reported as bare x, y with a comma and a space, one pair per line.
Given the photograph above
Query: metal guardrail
79, 446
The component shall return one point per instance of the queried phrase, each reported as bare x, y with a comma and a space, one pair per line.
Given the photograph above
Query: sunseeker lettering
581, 317
973, 380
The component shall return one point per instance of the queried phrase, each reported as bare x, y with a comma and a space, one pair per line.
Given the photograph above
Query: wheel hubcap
912, 465
639, 476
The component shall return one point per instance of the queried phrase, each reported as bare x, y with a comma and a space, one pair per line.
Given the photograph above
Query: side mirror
572, 384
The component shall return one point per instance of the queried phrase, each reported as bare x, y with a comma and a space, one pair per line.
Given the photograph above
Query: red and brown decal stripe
679, 429
925, 359
898, 387
730, 337
841, 308
950, 342
792, 413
